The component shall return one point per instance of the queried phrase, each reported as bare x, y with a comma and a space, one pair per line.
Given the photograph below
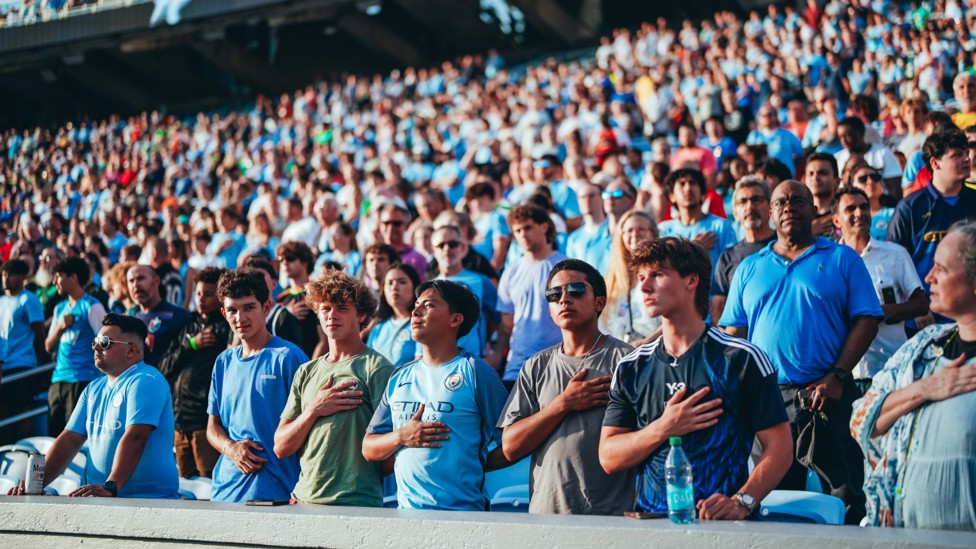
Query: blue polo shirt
799, 312
18, 314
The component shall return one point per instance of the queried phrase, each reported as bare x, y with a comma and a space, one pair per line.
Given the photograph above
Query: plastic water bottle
681, 488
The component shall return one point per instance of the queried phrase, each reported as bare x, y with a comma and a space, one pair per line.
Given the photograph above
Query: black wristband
842, 375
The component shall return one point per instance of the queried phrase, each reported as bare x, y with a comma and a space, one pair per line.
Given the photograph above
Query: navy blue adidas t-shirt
737, 372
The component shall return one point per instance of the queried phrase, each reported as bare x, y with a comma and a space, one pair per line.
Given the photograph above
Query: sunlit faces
853, 214
108, 360
13, 283
569, 311
432, 318
341, 320
750, 207
398, 289
819, 178
590, 200
953, 165
205, 297
65, 283
792, 208
686, 193
530, 235
245, 315
951, 291
635, 230
868, 180
376, 265
449, 248
143, 283
392, 225
665, 290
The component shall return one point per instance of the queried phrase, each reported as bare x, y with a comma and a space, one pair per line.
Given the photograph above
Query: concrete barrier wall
64, 522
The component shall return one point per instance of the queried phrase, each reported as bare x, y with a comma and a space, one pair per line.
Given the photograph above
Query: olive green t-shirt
334, 471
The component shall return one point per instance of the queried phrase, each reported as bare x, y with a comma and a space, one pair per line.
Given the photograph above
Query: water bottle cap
675, 441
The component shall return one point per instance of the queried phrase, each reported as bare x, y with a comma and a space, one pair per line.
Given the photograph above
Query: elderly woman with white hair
917, 423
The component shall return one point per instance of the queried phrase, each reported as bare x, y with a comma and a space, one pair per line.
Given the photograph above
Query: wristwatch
746, 501
842, 375
111, 488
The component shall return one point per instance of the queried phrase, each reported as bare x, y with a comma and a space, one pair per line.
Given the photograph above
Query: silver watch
746, 501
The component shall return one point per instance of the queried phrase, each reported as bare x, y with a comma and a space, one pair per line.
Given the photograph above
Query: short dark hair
459, 300
383, 249
16, 267
845, 191
686, 173
261, 264
299, 250
776, 168
74, 265
242, 282
482, 188
339, 287
939, 143
127, 325
682, 255
535, 214
824, 157
210, 275
854, 123
593, 276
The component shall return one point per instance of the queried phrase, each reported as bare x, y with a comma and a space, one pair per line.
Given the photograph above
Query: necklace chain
562, 347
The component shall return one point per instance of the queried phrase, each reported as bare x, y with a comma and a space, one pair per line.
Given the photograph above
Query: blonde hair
618, 273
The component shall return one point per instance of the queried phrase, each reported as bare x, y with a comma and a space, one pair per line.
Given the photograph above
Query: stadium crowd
732, 230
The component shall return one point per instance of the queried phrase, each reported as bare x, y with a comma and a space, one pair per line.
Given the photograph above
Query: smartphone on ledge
267, 502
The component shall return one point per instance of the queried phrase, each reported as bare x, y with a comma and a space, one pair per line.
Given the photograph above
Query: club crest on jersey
154, 325
454, 382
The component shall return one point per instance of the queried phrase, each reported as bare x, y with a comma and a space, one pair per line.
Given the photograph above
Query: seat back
511, 499
63, 486
515, 475
200, 487
801, 506
6, 483
41, 445
13, 462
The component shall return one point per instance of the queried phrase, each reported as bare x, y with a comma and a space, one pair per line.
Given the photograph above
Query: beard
43, 278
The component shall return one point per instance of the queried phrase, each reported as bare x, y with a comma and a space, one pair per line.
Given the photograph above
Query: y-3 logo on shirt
675, 387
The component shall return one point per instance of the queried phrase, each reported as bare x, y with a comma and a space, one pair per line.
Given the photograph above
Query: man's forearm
621, 449
61, 453
858, 340
775, 461
379, 447
290, 435
525, 435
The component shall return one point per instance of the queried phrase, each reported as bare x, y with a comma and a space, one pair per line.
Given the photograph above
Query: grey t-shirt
565, 475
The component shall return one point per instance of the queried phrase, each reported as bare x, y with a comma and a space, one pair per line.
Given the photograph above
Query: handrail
25, 415
32, 372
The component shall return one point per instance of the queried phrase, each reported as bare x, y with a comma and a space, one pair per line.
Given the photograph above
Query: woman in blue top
390, 336
342, 249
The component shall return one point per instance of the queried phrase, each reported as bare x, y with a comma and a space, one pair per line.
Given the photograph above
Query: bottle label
680, 498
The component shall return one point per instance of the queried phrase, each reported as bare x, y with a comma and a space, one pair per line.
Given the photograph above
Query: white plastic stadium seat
198, 486
13, 461
512, 499
800, 506
63, 486
40, 444
6, 483
76, 469
516, 475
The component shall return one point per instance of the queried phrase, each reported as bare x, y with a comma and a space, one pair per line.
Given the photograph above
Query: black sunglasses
393, 222
287, 258
103, 342
872, 176
448, 244
574, 289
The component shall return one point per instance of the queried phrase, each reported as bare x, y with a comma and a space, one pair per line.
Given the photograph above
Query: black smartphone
643, 516
267, 502
888, 295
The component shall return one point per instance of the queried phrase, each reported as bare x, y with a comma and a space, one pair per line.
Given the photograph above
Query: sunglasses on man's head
448, 244
103, 342
574, 289
869, 176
